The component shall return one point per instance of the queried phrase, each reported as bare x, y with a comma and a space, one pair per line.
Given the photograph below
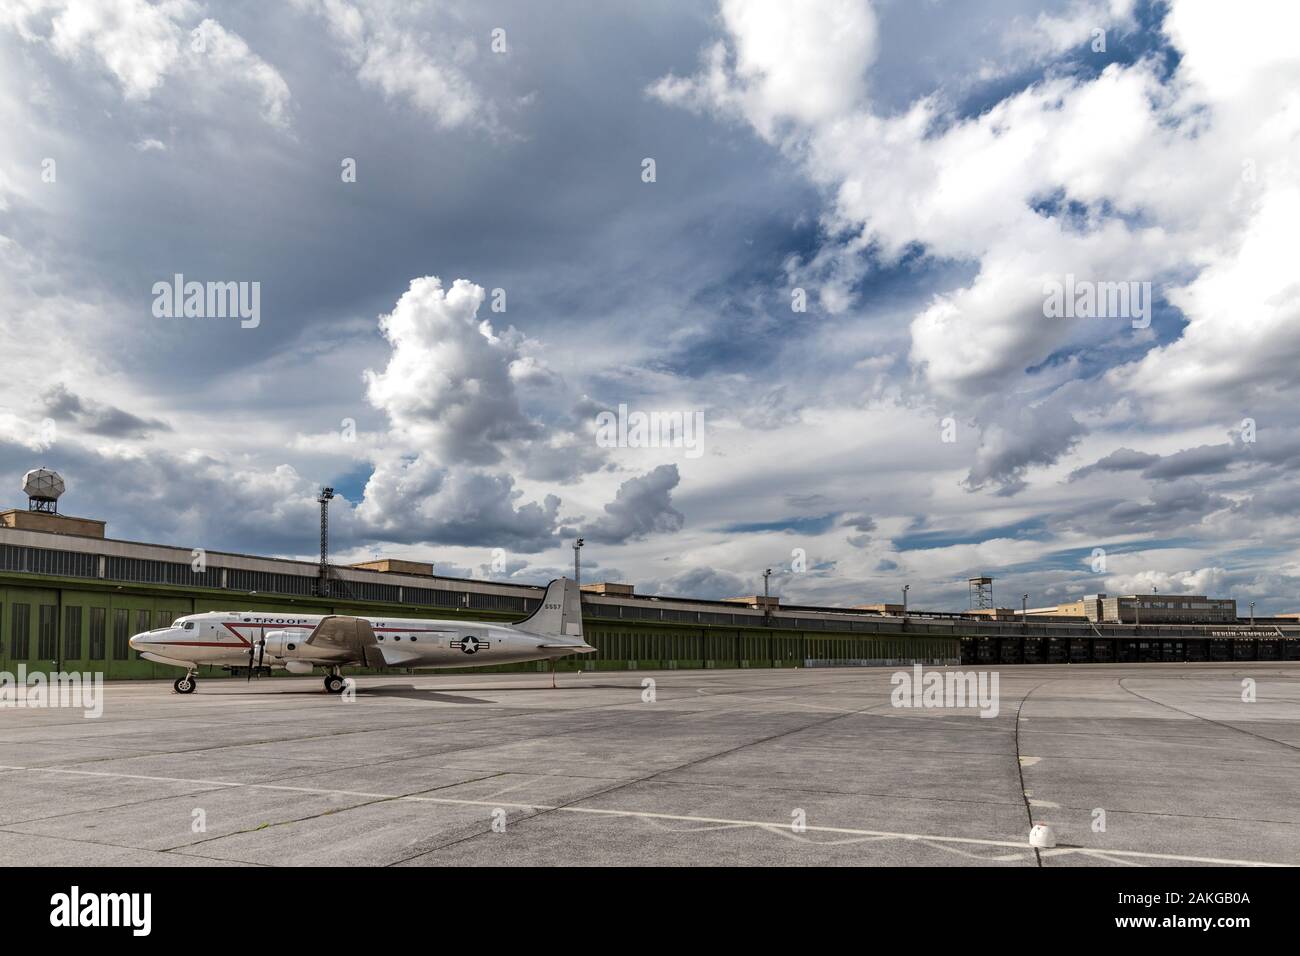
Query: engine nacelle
287, 644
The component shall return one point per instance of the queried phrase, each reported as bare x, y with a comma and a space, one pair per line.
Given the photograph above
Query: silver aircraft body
300, 643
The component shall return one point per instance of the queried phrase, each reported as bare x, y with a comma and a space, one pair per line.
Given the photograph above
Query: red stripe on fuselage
231, 626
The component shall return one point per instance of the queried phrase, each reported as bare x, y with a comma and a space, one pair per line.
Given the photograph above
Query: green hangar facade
70, 598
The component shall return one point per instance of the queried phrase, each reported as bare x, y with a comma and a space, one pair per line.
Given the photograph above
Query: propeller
261, 653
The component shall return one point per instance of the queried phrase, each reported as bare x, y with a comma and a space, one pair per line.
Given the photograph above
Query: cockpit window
189, 625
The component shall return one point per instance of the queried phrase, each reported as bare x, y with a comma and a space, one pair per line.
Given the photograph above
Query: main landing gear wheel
334, 684
185, 685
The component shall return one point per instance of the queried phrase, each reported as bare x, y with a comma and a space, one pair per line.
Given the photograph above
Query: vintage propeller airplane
300, 643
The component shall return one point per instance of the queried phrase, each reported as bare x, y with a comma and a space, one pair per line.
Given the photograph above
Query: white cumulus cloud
448, 382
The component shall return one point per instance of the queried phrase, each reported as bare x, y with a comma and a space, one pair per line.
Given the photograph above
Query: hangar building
70, 597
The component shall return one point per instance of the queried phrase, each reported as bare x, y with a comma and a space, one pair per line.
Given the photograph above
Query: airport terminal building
1152, 608
70, 597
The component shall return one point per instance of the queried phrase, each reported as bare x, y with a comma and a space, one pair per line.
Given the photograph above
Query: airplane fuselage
225, 639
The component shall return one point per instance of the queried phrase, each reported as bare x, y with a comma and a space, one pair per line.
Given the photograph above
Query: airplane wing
352, 635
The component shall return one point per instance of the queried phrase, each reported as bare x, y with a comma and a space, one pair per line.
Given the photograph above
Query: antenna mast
322, 585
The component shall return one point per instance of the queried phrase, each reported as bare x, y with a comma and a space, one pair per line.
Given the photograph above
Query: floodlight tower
981, 593
767, 608
323, 499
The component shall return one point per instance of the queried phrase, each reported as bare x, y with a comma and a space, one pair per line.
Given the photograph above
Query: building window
121, 633
20, 632
47, 647
158, 572
263, 582
43, 561
98, 618
71, 634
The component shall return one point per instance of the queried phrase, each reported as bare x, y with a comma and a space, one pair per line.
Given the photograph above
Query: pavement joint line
1020, 765
100, 808
650, 815
239, 697
1208, 720
328, 811
1016, 800
572, 804
120, 846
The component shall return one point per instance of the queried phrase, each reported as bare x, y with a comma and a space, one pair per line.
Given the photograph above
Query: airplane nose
135, 642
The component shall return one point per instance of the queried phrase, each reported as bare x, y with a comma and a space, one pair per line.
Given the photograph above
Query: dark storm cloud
1168, 506
1122, 459
863, 523
643, 506
97, 418
813, 524
1019, 439
1202, 460
1279, 449
703, 582
417, 501
197, 501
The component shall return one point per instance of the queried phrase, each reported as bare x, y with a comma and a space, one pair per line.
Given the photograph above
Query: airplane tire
185, 685
334, 684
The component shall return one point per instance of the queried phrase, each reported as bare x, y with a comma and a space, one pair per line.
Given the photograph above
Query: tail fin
560, 614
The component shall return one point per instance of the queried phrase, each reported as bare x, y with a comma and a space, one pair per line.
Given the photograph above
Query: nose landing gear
186, 684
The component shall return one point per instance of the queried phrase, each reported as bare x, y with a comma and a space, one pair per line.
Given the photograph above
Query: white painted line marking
648, 815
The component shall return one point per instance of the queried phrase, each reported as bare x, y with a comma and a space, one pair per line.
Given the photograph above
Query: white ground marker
1041, 836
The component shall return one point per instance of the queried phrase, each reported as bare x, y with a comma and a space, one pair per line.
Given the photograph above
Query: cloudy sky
461, 264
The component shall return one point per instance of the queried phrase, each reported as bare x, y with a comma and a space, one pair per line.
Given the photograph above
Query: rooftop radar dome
43, 487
